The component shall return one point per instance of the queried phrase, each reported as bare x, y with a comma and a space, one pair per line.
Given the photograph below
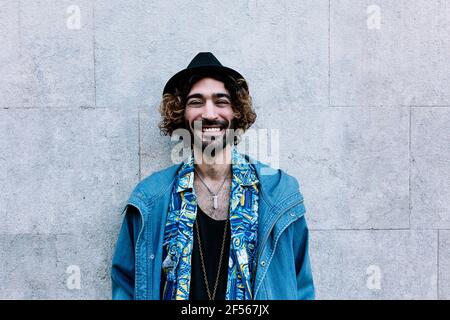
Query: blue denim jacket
283, 269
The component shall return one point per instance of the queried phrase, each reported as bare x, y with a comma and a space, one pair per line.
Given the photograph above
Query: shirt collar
243, 172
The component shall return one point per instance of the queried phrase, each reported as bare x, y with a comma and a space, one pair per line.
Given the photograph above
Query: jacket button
263, 263
292, 214
152, 256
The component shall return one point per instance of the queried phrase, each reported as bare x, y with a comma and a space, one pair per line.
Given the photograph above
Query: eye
195, 102
223, 102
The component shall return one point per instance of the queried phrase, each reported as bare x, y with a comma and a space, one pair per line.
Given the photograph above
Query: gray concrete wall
360, 91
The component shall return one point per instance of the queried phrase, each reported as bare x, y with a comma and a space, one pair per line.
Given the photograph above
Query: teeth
211, 129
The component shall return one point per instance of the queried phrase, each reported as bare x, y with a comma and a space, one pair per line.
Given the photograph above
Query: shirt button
263, 263
292, 214
152, 256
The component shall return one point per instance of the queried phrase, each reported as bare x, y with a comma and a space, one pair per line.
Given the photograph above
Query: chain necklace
211, 296
214, 195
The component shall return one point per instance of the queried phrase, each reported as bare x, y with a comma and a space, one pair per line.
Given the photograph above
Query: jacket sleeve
122, 272
305, 282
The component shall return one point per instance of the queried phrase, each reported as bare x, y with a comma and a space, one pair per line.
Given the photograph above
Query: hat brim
182, 76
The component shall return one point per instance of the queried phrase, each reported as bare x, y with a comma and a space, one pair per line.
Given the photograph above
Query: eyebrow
215, 95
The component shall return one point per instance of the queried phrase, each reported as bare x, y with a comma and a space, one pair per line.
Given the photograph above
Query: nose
209, 111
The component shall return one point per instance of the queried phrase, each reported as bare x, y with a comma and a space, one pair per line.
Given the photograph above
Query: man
220, 225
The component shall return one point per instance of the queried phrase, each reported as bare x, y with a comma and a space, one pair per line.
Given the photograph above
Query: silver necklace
214, 195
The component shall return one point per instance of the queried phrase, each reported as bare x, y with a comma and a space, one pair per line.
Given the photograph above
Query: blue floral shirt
178, 235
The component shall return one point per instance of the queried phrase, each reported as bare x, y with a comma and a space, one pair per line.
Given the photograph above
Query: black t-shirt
211, 236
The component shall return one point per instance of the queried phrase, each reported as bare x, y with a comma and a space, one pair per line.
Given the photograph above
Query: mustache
206, 122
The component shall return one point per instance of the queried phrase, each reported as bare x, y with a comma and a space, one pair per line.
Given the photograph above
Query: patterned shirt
178, 235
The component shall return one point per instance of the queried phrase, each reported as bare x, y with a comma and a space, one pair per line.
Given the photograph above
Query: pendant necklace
214, 195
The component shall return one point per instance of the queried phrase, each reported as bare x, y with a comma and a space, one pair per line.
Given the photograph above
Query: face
209, 113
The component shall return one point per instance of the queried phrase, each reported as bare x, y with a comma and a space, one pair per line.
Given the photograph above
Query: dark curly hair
173, 105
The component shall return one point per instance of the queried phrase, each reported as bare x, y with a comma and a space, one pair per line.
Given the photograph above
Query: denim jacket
283, 269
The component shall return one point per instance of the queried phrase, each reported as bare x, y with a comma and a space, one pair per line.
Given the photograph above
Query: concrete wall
359, 90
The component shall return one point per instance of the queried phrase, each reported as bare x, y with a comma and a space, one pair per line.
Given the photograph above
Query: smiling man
217, 226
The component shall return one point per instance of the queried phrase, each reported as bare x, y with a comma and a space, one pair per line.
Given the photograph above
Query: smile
212, 129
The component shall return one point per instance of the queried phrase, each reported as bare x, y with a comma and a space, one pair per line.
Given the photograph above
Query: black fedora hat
202, 62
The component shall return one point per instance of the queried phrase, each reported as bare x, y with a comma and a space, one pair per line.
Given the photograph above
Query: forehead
208, 85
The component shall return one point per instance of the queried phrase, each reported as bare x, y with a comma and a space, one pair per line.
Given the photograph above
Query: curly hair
173, 105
